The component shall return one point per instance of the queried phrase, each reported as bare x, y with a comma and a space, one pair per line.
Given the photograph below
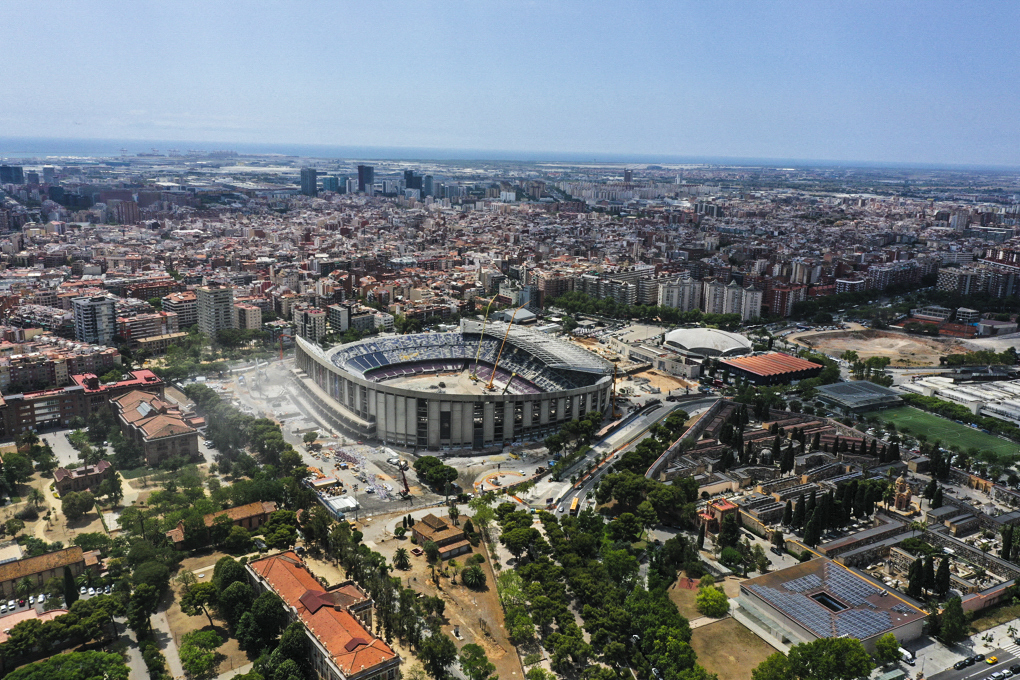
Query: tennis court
949, 433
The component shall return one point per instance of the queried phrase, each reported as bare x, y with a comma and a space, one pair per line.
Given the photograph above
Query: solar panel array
800, 608
902, 609
862, 623
799, 585
848, 587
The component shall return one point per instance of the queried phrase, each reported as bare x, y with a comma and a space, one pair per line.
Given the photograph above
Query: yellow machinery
485, 319
498, 356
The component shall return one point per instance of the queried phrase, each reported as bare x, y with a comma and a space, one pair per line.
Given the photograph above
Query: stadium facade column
488, 422
434, 424
543, 412
467, 423
526, 416
508, 421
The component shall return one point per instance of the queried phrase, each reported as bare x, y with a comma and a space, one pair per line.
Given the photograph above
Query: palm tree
35, 496
24, 587
454, 514
402, 559
889, 495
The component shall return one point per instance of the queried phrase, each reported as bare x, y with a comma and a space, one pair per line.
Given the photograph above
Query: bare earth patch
181, 624
902, 349
728, 649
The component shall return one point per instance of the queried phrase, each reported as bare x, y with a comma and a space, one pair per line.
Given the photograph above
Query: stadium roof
859, 394
552, 352
830, 600
708, 341
775, 363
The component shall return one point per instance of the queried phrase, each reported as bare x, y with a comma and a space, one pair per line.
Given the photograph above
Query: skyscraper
628, 176
49, 174
215, 309
330, 183
309, 182
12, 174
95, 319
428, 186
366, 177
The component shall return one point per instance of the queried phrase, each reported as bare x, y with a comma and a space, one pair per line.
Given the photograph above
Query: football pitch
948, 432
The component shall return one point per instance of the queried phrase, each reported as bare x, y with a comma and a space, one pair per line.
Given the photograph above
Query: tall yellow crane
474, 373
507, 335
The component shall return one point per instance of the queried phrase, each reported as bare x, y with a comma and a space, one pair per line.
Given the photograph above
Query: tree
473, 577
712, 602
228, 571
233, 602
310, 437
437, 653
197, 652
475, 664
238, 540
70, 587
143, 604
402, 559
774, 667
431, 551
13, 526
35, 496
788, 513
954, 623
830, 659
84, 665
942, 578
197, 599
915, 578
887, 648
74, 505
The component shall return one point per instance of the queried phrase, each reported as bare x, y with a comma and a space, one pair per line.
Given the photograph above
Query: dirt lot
181, 624
683, 598
904, 350
728, 649
665, 382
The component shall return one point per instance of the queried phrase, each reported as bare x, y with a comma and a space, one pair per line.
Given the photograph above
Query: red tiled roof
353, 648
776, 363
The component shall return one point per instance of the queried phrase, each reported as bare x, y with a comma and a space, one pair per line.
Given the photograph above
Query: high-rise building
215, 309
366, 177
309, 182
428, 187
628, 176
49, 174
330, 183
311, 323
12, 174
683, 294
31, 178
95, 319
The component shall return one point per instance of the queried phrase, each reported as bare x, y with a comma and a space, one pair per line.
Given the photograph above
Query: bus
573, 505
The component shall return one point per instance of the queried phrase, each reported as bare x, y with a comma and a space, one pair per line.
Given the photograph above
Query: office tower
11, 174
215, 309
49, 174
95, 319
330, 183
366, 177
428, 186
628, 176
309, 182
411, 180
31, 178
352, 186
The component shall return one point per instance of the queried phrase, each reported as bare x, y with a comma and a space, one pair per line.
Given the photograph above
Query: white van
907, 657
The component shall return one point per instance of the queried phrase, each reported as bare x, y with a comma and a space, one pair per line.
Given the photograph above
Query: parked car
83, 590
42, 598
92, 591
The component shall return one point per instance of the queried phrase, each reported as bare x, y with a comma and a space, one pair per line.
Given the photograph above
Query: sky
902, 82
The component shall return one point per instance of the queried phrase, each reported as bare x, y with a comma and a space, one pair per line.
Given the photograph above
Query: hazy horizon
868, 83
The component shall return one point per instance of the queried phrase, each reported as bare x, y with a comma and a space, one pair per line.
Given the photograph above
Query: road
627, 438
981, 669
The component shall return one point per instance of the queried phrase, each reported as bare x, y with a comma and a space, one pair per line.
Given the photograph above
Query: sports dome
707, 342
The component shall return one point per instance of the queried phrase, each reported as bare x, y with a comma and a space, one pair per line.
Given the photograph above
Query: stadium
462, 389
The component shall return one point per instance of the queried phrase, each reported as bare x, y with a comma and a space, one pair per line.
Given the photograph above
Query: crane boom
507, 335
478, 354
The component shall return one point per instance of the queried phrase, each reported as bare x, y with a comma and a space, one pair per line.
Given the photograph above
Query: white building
95, 319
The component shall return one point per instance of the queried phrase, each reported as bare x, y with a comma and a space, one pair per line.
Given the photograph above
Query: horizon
87, 147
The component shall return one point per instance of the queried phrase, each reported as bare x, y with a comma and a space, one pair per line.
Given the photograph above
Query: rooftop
776, 363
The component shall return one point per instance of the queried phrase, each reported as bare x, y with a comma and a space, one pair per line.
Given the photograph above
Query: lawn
946, 431
729, 650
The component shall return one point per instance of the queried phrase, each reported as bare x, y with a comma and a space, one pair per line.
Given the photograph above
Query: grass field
949, 433
728, 649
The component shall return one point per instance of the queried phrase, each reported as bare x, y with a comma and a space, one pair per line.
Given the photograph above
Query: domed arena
707, 342
463, 389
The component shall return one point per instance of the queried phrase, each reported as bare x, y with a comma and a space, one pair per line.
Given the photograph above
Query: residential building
95, 319
40, 569
683, 294
185, 305
85, 478
156, 425
215, 309
451, 540
250, 516
248, 317
337, 620
311, 323
134, 328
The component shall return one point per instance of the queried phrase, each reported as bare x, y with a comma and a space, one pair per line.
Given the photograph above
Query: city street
980, 669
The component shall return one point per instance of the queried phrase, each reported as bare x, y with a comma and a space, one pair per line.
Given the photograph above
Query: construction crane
478, 354
282, 336
512, 376
613, 400
507, 335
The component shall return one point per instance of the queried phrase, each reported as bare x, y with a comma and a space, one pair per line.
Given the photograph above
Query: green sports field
949, 433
